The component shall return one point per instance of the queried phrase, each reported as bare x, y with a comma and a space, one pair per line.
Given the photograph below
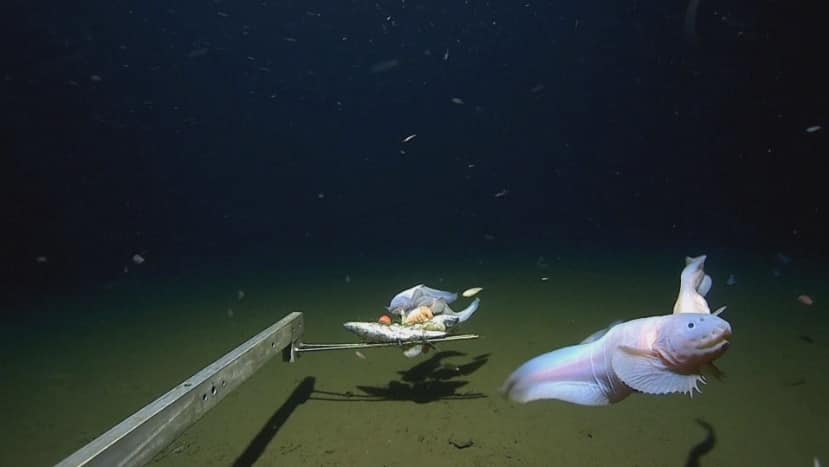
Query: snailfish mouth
712, 344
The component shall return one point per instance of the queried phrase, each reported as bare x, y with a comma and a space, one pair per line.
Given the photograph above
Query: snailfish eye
690, 325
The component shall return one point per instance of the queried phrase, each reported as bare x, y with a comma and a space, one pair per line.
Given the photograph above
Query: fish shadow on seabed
300, 395
428, 381
702, 448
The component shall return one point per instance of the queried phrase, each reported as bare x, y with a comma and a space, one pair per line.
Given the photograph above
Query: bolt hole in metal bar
140, 436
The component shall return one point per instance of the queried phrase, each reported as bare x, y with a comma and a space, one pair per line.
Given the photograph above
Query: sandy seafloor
75, 365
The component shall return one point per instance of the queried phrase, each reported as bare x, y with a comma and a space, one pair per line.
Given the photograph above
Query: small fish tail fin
467, 312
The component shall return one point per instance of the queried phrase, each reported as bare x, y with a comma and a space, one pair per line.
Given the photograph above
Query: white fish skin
656, 355
693, 286
376, 332
419, 295
463, 315
413, 351
705, 285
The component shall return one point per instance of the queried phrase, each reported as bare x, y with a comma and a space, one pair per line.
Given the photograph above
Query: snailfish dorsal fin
600, 333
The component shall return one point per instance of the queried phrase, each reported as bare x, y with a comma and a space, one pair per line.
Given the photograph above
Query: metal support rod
140, 436
302, 347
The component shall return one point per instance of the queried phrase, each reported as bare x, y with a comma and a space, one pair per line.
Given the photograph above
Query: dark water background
259, 146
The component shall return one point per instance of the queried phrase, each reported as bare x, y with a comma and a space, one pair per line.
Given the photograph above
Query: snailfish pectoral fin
645, 372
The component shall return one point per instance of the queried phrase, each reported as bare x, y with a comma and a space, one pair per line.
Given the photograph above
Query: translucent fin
704, 285
692, 284
413, 351
646, 373
600, 333
467, 312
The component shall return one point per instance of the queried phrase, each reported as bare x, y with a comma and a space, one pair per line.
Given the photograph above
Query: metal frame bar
302, 347
140, 436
